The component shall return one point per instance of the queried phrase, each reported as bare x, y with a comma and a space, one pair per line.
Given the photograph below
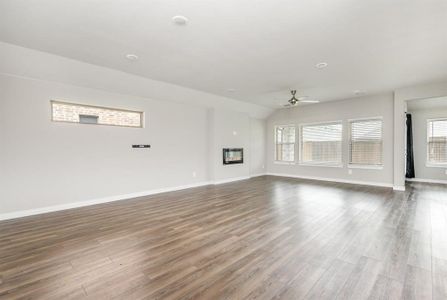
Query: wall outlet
350, 172
194, 174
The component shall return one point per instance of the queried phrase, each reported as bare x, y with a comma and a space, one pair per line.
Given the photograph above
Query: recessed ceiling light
359, 93
180, 20
131, 57
321, 65
231, 90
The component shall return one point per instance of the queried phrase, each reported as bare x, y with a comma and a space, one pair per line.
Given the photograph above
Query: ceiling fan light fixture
301, 99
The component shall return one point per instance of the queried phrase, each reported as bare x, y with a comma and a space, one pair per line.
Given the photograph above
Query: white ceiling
260, 48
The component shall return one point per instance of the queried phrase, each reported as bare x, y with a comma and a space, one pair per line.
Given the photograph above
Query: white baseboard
426, 180
257, 175
371, 183
399, 188
231, 179
47, 209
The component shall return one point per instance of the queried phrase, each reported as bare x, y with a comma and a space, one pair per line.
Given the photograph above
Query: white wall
230, 130
420, 118
373, 106
258, 137
48, 164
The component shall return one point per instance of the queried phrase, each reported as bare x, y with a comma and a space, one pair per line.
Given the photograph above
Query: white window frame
363, 166
282, 162
322, 164
427, 161
141, 113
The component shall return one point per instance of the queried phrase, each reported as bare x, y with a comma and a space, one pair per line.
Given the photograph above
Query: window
437, 142
285, 143
366, 142
321, 144
87, 114
87, 119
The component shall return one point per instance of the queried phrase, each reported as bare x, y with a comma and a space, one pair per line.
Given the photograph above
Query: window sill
328, 165
284, 162
431, 165
366, 167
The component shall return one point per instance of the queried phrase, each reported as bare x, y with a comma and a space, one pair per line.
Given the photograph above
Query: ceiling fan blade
309, 101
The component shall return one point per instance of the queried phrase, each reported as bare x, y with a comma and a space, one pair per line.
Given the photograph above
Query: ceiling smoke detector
180, 20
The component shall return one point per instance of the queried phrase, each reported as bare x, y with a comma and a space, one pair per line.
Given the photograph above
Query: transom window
89, 114
437, 142
321, 144
285, 143
366, 142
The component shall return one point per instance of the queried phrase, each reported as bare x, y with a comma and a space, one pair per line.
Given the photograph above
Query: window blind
437, 141
285, 143
366, 142
321, 143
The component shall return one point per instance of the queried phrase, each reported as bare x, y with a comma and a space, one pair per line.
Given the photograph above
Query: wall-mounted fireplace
233, 156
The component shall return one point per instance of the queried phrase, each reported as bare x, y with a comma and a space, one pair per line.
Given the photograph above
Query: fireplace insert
233, 156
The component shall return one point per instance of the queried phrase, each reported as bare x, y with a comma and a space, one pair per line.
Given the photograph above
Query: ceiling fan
294, 101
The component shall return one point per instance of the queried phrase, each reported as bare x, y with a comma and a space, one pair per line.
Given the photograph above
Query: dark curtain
410, 157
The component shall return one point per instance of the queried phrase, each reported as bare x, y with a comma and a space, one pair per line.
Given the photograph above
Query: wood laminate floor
263, 238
